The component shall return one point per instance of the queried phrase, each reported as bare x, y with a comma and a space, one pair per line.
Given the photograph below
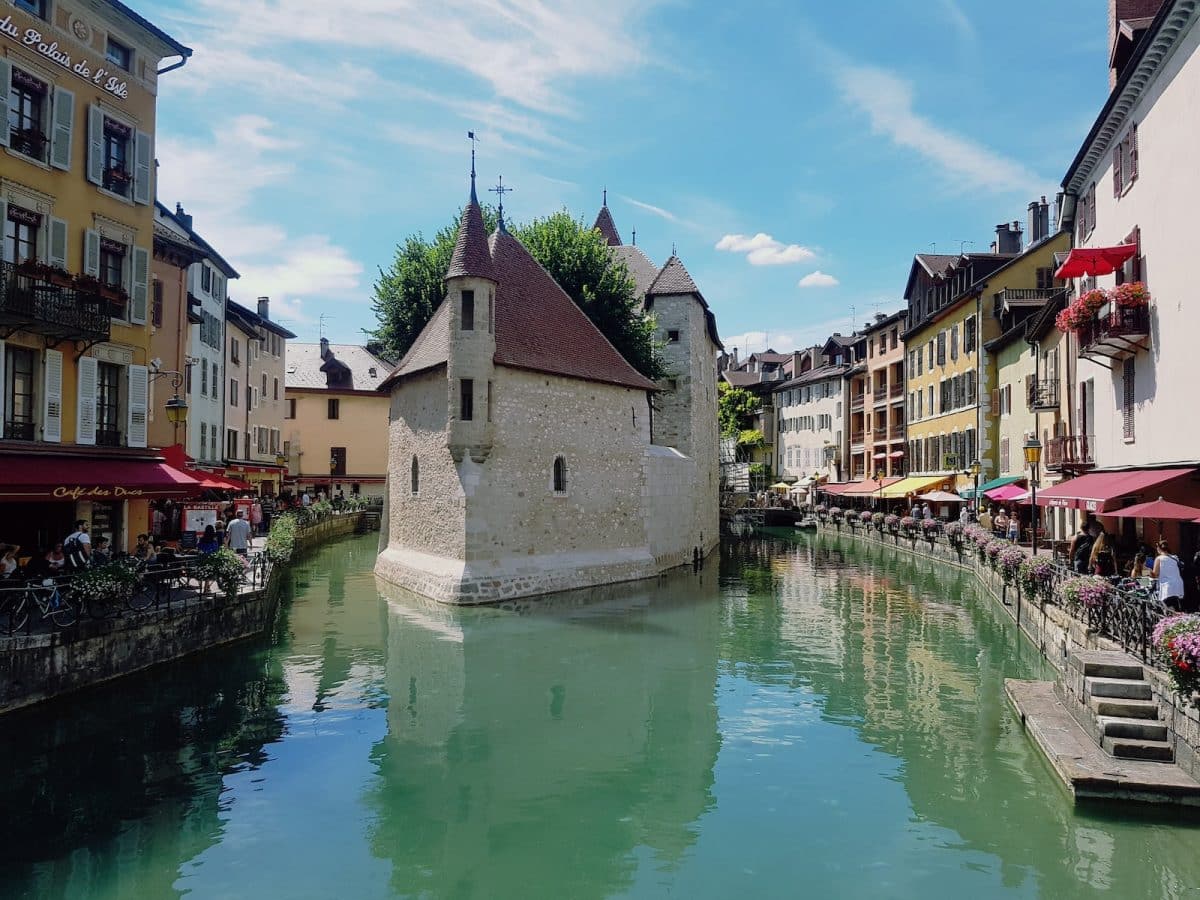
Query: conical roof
674, 279
607, 227
471, 255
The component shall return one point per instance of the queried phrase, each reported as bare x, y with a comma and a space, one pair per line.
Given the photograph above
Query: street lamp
1033, 456
176, 407
975, 469
879, 476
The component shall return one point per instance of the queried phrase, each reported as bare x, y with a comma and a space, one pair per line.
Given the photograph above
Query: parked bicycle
40, 598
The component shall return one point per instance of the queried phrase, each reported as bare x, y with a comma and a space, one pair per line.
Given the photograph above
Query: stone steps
1120, 666
1132, 729
1126, 709
1120, 688
1129, 748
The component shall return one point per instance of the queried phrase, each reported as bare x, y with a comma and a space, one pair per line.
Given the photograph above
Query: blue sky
796, 154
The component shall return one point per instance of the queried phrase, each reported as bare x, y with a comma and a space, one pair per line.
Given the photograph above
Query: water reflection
558, 737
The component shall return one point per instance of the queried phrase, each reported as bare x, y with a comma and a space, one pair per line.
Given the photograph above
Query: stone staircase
370, 521
1118, 707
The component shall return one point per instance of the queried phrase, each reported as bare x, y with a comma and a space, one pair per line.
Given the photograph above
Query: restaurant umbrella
1159, 510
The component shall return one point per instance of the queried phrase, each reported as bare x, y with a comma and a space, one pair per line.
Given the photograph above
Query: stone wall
1056, 634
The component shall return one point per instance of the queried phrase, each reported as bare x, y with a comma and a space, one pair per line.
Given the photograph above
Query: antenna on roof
471, 135
635, 237
962, 244
500, 190
672, 248
933, 246
852, 319
321, 325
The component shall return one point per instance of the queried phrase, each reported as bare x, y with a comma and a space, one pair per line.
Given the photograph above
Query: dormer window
468, 311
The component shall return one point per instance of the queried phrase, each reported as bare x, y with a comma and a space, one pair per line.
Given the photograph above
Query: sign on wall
33, 39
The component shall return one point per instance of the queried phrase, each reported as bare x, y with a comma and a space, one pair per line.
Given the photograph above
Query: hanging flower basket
1176, 641
1132, 295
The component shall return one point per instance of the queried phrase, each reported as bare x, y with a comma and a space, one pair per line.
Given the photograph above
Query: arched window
560, 475
416, 475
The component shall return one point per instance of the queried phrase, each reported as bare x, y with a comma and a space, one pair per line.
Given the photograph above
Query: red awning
880, 455
839, 488
1095, 260
870, 486
48, 477
896, 454
1101, 492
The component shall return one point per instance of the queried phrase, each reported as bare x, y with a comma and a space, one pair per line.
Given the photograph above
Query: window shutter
91, 253
3, 393
1118, 152
85, 421
1133, 152
143, 149
95, 156
139, 293
62, 129
1127, 399
5, 91
139, 383
58, 243
52, 396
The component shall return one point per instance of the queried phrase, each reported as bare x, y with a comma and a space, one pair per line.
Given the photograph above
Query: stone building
521, 455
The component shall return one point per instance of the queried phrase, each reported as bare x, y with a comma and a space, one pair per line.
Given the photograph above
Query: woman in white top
1170, 579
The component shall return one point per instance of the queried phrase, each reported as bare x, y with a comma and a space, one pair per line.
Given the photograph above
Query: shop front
265, 479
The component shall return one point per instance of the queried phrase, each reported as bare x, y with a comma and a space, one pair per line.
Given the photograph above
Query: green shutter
141, 286
58, 243
5, 90
95, 156
143, 167
61, 129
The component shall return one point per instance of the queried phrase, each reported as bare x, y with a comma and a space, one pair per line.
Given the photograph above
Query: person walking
256, 516
78, 547
237, 535
1014, 528
985, 520
1168, 574
1102, 560
1081, 550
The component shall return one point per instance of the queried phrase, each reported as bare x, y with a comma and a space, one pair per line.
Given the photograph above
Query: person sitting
39, 566
143, 551
101, 555
163, 555
8, 560
209, 543
56, 559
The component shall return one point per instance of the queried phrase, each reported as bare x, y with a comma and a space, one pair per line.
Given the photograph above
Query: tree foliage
408, 293
735, 409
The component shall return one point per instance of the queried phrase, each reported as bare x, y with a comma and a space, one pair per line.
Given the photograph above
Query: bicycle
46, 598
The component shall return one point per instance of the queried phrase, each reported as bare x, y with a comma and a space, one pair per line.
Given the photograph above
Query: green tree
408, 293
735, 409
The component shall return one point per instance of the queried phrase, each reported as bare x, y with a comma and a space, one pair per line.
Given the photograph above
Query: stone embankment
1065, 641
42, 666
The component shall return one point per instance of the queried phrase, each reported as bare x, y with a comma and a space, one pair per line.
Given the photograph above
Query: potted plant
1176, 642
893, 522
30, 141
954, 534
1009, 559
104, 586
1132, 295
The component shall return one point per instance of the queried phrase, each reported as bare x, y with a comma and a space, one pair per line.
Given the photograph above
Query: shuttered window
1127, 399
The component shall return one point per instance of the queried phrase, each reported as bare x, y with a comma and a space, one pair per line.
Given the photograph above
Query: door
337, 462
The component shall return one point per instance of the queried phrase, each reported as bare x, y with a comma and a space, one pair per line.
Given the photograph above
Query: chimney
1008, 238
324, 347
879, 317
735, 360
184, 218
264, 308
1039, 221
1136, 15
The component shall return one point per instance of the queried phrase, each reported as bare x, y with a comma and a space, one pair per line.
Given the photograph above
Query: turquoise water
802, 719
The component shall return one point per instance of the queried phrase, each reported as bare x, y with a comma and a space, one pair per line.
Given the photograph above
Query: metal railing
1072, 451
880, 394
896, 390
858, 401
63, 311
881, 434
1120, 326
1043, 394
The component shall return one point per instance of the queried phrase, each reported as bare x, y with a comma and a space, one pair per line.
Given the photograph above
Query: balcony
1119, 333
1010, 298
108, 437
1070, 453
881, 393
880, 434
117, 180
1043, 395
41, 302
858, 438
896, 392
857, 401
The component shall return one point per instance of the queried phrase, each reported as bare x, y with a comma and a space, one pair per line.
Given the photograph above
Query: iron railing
1043, 394
1074, 451
1118, 330
60, 311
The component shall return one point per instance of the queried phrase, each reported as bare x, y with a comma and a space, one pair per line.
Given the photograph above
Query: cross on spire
500, 190
604, 201
471, 135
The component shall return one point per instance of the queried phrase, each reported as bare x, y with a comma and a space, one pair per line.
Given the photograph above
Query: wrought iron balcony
108, 437
1120, 332
19, 431
1043, 394
1070, 453
896, 391
880, 394
49, 305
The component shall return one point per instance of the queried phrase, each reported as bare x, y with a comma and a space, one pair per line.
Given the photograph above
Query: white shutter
4, 250
95, 155
61, 129
85, 416
52, 397
58, 243
5, 90
139, 293
142, 151
139, 381
91, 253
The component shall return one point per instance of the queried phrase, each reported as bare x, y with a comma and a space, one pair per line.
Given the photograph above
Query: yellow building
78, 86
336, 419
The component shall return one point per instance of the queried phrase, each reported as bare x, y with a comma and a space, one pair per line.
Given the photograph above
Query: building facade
255, 405
811, 416
335, 419
883, 394
171, 321
78, 87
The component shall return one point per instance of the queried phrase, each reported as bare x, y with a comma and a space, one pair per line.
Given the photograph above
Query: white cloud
764, 250
818, 279
655, 210
888, 102
958, 18
217, 183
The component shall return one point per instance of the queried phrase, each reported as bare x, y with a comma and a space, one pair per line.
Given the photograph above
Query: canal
803, 719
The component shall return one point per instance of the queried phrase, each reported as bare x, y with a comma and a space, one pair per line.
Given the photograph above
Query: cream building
254, 397
521, 455
335, 419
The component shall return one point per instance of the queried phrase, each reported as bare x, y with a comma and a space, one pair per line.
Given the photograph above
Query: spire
471, 255
605, 224
474, 199
500, 190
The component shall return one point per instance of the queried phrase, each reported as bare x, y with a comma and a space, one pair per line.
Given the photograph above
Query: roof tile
471, 255
607, 227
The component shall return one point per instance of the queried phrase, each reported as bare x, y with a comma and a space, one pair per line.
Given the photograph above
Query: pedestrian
305, 500
1081, 550
1102, 560
158, 519
78, 547
985, 520
237, 535
926, 512
256, 516
964, 515
1168, 573
1014, 528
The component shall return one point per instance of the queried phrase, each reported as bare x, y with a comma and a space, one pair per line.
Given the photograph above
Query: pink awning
1101, 492
1095, 261
1005, 493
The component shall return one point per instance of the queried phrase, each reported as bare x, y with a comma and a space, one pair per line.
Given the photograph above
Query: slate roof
738, 378
431, 348
217, 259
820, 373
303, 367
607, 227
470, 255
936, 263
641, 270
673, 279
249, 320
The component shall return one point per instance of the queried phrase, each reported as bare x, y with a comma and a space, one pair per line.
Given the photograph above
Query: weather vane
500, 190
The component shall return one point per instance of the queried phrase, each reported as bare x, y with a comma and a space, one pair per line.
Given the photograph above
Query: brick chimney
264, 308
184, 218
1039, 221
1008, 238
324, 347
1136, 15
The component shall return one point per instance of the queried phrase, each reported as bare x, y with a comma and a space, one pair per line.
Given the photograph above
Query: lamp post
176, 407
879, 476
975, 469
1033, 456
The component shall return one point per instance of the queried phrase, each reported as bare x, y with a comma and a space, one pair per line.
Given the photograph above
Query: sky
794, 155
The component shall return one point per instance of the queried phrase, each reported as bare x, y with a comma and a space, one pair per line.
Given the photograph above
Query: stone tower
470, 300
